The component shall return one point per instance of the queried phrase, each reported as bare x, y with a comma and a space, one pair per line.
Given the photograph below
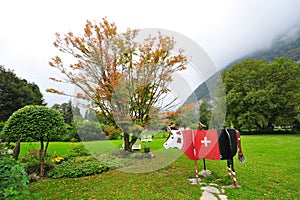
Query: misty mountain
287, 45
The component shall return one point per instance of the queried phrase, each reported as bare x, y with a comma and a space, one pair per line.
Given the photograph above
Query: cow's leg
204, 165
233, 172
229, 168
197, 174
205, 172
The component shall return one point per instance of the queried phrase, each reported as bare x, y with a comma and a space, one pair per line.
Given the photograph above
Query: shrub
89, 131
77, 167
114, 161
2, 124
31, 162
37, 122
73, 140
13, 178
120, 159
78, 150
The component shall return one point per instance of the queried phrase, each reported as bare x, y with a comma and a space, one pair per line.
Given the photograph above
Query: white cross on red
205, 141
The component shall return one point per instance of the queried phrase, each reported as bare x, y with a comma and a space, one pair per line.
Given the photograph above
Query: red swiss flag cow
201, 144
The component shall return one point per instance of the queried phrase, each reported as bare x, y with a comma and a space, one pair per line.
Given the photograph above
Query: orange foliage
51, 90
102, 58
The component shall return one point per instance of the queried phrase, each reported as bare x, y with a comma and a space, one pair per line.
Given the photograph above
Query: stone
210, 193
208, 196
33, 177
231, 186
194, 180
222, 197
205, 173
211, 189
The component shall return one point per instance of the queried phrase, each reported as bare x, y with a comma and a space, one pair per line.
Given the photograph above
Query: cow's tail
241, 157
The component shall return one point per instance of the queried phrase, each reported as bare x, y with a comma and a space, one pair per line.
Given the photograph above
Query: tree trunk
126, 141
41, 154
131, 143
258, 126
47, 144
270, 128
16, 151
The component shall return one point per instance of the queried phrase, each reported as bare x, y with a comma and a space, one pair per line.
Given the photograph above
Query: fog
226, 30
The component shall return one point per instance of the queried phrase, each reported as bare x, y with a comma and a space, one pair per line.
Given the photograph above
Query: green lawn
59, 148
271, 171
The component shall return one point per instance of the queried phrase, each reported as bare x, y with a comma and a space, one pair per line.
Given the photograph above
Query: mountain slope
287, 45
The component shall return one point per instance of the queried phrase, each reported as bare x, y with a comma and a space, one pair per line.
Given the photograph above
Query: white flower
10, 151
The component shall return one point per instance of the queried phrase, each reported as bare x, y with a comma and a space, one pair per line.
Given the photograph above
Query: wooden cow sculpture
208, 144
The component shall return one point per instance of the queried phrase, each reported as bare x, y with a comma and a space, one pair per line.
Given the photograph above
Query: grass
272, 168
271, 171
60, 148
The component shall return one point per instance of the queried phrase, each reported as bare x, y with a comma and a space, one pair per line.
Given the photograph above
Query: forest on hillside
285, 45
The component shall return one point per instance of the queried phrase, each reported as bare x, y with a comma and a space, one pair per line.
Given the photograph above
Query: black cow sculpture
208, 144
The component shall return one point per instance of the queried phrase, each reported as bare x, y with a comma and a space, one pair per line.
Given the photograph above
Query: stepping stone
205, 173
208, 196
231, 186
222, 197
194, 180
210, 193
211, 189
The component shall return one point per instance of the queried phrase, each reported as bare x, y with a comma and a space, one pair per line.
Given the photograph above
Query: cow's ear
169, 129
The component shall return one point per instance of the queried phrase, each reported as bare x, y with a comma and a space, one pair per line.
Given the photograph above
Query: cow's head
175, 140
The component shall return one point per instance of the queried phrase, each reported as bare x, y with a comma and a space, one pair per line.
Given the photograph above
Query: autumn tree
124, 79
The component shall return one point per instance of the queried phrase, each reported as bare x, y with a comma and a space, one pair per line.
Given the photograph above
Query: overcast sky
225, 29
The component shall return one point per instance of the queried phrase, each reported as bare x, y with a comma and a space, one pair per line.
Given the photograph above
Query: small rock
231, 186
211, 189
205, 173
208, 196
194, 180
33, 177
222, 197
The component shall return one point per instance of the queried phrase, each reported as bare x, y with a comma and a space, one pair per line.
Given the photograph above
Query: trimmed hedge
78, 167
